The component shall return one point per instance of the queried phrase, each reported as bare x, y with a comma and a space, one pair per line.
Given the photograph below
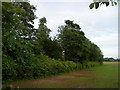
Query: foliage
111, 59
17, 30
52, 48
76, 46
43, 30
31, 53
98, 3
44, 66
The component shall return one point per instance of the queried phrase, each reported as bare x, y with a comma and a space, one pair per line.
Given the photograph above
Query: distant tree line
30, 52
111, 59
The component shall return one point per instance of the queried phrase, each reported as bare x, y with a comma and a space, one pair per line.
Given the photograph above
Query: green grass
104, 76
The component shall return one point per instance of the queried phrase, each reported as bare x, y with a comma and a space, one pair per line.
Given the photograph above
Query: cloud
108, 44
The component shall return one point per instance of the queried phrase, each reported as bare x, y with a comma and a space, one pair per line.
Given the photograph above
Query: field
105, 76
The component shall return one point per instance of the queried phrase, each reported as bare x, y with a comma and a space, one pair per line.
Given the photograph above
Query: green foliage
16, 36
42, 67
98, 3
31, 53
76, 46
8, 68
17, 30
52, 48
70, 38
43, 21
43, 30
91, 5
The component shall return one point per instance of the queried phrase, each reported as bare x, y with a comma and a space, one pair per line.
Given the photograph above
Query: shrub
41, 66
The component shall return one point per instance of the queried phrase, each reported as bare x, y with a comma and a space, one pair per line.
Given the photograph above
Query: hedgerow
42, 67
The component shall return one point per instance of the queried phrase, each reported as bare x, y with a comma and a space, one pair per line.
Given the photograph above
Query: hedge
42, 66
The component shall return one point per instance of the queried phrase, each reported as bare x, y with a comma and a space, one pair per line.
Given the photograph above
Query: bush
41, 67
8, 68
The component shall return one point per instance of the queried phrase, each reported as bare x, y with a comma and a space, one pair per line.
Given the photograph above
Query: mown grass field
104, 76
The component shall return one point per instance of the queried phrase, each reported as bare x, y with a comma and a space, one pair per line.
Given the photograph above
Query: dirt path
111, 62
89, 78
56, 81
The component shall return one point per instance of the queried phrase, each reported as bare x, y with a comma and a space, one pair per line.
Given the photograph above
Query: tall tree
17, 27
71, 39
42, 37
76, 46
43, 29
17, 30
50, 47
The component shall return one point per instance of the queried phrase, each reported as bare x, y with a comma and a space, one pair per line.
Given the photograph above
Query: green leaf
96, 5
115, 3
107, 4
91, 5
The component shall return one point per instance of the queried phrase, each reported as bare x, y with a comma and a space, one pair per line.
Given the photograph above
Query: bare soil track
54, 81
111, 62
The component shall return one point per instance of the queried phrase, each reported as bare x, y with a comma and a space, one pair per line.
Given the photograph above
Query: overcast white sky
100, 26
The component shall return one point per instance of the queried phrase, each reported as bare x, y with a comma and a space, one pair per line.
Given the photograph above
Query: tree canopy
29, 53
76, 46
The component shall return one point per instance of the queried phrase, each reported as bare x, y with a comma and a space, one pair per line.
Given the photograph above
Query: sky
100, 25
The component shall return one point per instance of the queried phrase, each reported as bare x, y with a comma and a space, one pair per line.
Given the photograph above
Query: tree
76, 46
71, 39
95, 54
43, 29
52, 48
41, 37
17, 31
16, 25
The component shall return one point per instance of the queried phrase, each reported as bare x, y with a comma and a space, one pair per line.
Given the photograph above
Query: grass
104, 76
